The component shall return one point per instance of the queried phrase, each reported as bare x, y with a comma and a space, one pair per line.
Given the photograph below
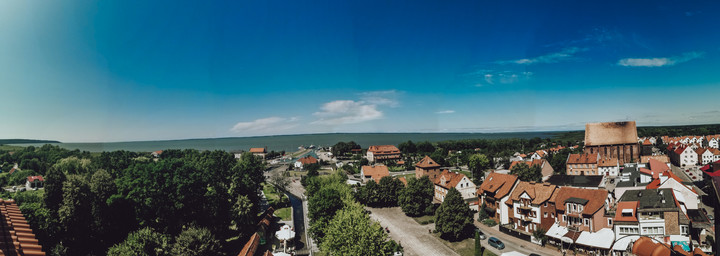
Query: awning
602, 239
623, 242
556, 231
513, 253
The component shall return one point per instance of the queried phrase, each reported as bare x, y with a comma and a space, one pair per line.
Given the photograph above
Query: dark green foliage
527, 173
439, 156
453, 219
196, 241
351, 232
389, 189
312, 169
144, 242
425, 147
478, 246
75, 214
416, 198
343, 148
102, 187
478, 164
482, 214
321, 208
407, 147
539, 234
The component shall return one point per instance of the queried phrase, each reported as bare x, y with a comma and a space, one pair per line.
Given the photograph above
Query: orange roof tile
257, 150
34, 178
251, 246
497, 183
661, 158
427, 162
658, 166
583, 158
626, 205
539, 192
608, 162
384, 149
448, 179
403, 180
596, 198
529, 163
308, 160
375, 172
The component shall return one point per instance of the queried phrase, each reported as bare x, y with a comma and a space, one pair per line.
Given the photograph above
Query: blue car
494, 242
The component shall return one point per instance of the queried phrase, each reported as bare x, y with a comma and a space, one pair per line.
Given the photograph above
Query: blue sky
86, 71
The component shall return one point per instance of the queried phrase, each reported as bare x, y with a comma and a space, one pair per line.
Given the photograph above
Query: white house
609, 167
34, 182
684, 157
540, 154
705, 156
713, 141
459, 181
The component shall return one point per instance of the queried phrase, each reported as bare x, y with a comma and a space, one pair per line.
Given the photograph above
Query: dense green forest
127, 203
25, 141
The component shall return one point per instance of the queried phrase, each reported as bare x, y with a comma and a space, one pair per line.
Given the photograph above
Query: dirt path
414, 237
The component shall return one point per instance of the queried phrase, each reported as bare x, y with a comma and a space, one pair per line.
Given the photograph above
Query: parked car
494, 242
711, 218
482, 235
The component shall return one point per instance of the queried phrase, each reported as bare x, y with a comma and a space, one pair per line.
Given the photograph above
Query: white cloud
347, 112
563, 55
445, 112
659, 62
266, 125
492, 77
381, 98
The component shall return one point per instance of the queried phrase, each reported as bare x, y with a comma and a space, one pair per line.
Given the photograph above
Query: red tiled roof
528, 163
596, 198
34, 178
658, 166
626, 205
654, 184
660, 158
540, 153
654, 174
583, 158
257, 150
451, 179
647, 143
251, 246
375, 172
159, 152
680, 150
427, 162
403, 180
500, 184
18, 237
539, 192
608, 162
308, 160
384, 149
709, 170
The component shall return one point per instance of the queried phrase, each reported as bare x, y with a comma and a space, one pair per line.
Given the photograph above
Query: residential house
545, 167
582, 164
712, 141
537, 155
588, 182
156, 154
613, 140
459, 181
716, 154
375, 172
260, 152
530, 210
493, 194
581, 218
383, 153
609, 167
302, 162
427, 167
684, 156
34, 182
684, 193
633, 177
662, 158
658, 216
705, 156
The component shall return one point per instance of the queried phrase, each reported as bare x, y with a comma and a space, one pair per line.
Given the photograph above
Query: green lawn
465, 247
11, 148
422, 220
270, 193
284, 213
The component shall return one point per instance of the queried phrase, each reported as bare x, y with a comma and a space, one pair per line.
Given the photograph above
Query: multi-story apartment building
383, 153
582, 164
493, 194
530, 209
651, 212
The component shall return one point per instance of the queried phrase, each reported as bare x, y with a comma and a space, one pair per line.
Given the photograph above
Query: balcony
524, 207
526, 218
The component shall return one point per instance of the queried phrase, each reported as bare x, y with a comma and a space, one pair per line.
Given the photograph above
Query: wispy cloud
563, 55
449, 111
341, 112
659, 62
266, 125
491, 77
381, 98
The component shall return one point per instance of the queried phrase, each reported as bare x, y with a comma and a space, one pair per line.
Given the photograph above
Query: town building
374, 172
459, 181
684, 156
493, 194
304, 161
530, 210
581, 219
156, 154
259, 152
705, 156
609, 167
34, 182
545, 167
588, 182
582, 164
427, 167
613, 140
712, 141
539, 154
645, 246
383, 153
657, 215
661, 158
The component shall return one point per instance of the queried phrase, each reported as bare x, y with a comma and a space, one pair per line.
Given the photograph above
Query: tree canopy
478, 164
416, 198
527, 173
453, 219
351, 232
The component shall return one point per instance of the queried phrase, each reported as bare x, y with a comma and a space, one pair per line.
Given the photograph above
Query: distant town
610, 193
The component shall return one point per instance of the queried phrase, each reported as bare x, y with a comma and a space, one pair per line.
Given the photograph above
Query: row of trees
339, 223
186, 196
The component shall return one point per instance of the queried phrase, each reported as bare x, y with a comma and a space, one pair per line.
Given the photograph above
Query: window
552, 215
545, 203
545, 215
587, 222
609, 222
564, 218
684, 230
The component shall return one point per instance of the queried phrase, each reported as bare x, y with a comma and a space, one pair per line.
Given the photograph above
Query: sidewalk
526, 247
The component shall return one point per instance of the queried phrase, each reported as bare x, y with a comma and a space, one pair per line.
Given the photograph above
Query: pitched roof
308, 160
529, 163
700, 151
679, 150
596, 198
627, 205
610, 133
651, 199
583, 158
661, 158
376, 172
251, 246
384, 149
714, 151
18, 236
652, 173
403, 180
608, 162
656, 165
257, 150
712, 169
34, 178
427, 162
539, 192
500, 184
448, 179
647, 143
540, 153
575, 180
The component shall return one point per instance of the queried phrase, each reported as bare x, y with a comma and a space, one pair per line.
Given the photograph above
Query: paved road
414, 237
512, 243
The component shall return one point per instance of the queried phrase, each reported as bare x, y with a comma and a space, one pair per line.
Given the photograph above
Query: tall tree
321, 208
527, 173
453, 218
389, 188
54, 190
351, 232
144, 242
102, 186
478, 163
407, 147
196, 241
416, 198
74, 214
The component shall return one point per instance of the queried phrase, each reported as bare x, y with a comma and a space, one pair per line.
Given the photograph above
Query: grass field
10, 148
422, 220
284, 213
465, 247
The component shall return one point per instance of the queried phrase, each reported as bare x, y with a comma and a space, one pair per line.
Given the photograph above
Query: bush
489, 222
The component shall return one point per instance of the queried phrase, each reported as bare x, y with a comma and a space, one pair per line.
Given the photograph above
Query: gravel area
414, 237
